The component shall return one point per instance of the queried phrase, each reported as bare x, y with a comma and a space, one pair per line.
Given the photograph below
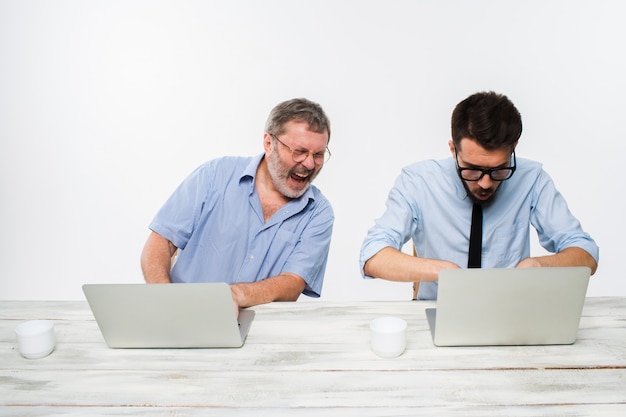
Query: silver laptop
194, 315
525, 306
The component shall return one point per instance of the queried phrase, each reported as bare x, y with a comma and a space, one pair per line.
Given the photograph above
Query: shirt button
251, 257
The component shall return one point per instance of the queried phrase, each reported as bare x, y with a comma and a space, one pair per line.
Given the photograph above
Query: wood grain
313, 358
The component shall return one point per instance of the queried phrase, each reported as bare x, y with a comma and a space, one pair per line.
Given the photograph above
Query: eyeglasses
476, 174
300, 155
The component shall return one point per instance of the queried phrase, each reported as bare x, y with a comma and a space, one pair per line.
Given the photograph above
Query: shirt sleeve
556, 226
176, 219
395, 227
309, 258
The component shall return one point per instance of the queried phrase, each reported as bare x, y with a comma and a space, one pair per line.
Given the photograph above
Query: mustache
301, 171
491, 191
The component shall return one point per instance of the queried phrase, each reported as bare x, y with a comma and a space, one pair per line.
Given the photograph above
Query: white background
105, 106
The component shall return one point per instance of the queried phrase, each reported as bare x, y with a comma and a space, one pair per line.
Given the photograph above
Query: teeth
301, 175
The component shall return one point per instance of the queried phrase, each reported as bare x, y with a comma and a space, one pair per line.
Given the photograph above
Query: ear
451, 145
267, 143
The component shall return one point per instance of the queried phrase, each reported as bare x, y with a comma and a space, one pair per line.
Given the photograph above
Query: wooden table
312, 359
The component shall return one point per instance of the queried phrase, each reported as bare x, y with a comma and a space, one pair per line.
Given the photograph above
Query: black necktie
476, 237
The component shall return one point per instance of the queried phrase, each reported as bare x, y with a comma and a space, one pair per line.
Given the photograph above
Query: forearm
572, 256
284, 287
394, 265
156, 259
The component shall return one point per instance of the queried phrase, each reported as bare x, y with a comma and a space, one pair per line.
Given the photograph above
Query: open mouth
300, 178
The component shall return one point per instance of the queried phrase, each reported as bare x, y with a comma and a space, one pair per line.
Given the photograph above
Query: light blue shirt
429, 204
215, 219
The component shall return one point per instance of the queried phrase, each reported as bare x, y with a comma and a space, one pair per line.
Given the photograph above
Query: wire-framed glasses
475, 174
300, 155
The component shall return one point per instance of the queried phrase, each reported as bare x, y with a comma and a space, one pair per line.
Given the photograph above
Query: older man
255, 223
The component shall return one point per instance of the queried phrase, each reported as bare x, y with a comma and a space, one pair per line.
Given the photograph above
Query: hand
234, 290
571, 256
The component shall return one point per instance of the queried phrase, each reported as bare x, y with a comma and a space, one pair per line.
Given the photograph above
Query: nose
485, 182
309, 161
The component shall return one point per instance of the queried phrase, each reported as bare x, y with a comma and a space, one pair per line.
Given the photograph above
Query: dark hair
298, 109
489, 118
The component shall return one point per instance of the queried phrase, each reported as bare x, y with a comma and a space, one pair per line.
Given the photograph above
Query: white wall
105, 106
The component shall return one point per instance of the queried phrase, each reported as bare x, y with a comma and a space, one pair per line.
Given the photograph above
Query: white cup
388, 336
35, 338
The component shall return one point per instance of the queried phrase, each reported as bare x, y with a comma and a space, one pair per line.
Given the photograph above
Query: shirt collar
250, 169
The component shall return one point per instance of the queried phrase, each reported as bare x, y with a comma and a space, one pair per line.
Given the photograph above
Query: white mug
388, 336
35, 338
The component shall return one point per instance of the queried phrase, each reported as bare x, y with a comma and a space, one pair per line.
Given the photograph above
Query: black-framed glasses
476, 174
300, 155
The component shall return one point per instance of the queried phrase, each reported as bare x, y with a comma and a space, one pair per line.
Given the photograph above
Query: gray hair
301, 110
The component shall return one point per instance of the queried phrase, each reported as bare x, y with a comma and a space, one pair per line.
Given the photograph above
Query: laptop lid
518, 306
194, 315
